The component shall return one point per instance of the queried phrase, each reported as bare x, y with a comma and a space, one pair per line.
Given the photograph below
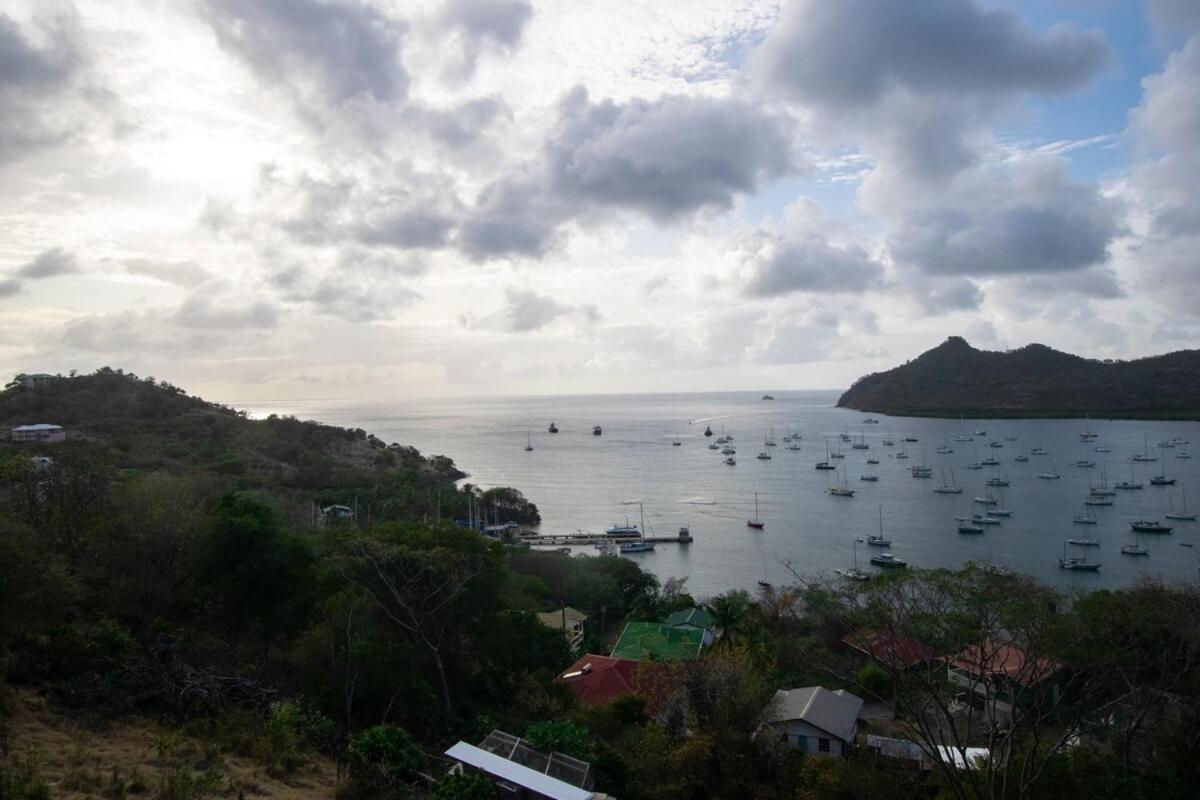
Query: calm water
584, 482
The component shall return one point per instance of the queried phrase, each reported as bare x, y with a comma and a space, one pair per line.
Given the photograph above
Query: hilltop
143, 425
956, 379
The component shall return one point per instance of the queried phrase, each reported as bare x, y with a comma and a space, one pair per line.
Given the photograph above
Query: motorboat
1149, 526
887, 561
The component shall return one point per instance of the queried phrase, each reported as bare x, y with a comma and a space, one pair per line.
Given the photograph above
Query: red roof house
598, 680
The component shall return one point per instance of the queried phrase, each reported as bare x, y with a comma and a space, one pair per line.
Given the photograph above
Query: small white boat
1182, 515
1083, 541
763, 456
635, 547
730, 460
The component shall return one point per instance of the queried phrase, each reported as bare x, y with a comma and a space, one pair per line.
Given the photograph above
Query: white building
42, 432
814, 719
32, 381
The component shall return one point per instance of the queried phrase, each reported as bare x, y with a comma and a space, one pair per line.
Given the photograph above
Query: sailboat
1050, 474
708, 430
769, 441
1162, 479
948, 488
1181, 515
999, 509
639, 545
825, 464
854, 573
841, 489
879, 540
1138, 548
1086, 518
1145, 454
755, 523
1129, 484
553, 428
1077, 563
528, 443
869, 475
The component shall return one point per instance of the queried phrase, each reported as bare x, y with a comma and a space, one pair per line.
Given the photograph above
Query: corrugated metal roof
832, 712
653, 640
513, 772
41, 426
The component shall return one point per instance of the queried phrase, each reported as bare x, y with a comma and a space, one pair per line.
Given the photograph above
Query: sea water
582, 482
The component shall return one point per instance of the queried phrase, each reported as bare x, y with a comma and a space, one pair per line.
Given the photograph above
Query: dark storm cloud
850, 53
813, 264
331, 50
32, 79
668, 158
48, 264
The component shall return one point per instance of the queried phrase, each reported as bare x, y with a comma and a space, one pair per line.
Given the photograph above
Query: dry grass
135, 758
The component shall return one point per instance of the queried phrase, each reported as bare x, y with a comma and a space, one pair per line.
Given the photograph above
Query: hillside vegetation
1034, 381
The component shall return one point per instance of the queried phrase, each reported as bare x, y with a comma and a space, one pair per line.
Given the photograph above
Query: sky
368, 199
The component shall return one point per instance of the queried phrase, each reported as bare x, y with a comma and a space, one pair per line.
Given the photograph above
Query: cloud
201, 311
668, 158
526, 310
1164, 189
49, 264
812, 264
324, 52
188, 274
484, 23
1174, 16
10, 287
851, 53
33, 80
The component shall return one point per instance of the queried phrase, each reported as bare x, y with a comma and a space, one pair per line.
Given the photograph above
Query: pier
553, 539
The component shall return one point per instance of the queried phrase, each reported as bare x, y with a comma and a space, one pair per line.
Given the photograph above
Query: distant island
956, 379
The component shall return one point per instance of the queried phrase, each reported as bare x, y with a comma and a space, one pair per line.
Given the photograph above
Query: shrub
875, 680
464, 786
23, 780
386, 754
562, 736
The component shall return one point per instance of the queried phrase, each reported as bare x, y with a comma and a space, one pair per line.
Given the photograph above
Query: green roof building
654, 641
692, 617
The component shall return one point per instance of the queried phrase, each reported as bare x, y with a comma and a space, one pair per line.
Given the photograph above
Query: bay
582, 482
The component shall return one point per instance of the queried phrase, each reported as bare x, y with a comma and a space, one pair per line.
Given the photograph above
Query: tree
729, 611
422, 582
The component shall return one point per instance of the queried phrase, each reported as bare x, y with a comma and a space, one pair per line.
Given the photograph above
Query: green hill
956, 379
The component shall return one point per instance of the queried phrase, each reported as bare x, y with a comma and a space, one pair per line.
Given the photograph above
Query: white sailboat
1183, 514
854, 573
528, 443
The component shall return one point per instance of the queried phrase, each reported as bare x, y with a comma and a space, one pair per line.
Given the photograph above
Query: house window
823, 745
802, 744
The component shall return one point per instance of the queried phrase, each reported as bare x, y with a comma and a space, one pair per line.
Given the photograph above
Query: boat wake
697, 501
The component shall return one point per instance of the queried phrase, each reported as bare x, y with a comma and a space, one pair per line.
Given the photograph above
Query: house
36, 379
41, 432
519, 771
815, 720
569, 621
655, 641
1002, 676
894, 651
335, 513
696, 619
599, 680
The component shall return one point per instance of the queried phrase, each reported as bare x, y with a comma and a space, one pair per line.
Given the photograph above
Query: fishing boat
755, 523
854, 573
1182, 515
888, 561
597, 430
1080, 564
1149, 526
553, 428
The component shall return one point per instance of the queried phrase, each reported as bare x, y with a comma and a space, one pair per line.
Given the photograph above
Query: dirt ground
87, 759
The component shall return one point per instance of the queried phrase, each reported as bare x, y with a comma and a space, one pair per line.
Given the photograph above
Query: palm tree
729, 611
